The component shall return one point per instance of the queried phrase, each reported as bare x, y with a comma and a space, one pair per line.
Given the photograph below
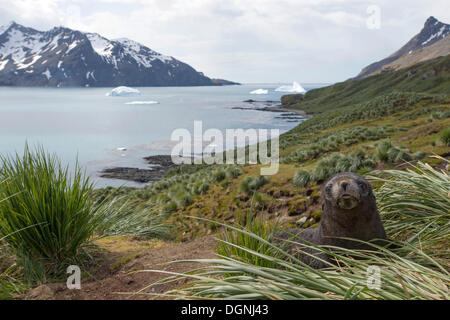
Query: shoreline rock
160, 165
290, 115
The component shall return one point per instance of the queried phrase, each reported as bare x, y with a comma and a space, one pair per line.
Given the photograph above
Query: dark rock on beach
291, 115
264, 102
160, 164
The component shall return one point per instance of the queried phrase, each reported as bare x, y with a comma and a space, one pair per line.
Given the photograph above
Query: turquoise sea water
84, 123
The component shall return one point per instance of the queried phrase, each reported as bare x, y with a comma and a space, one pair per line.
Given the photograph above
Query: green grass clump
415, 205
170, 207
338, 162
386, 152
10, 275
250, 185
182, 198
233, 172
143, 220
301, 178
444, 136
229, 242
48, 212
49, 216
219, 175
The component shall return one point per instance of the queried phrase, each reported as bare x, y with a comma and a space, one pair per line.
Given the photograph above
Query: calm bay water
84, 123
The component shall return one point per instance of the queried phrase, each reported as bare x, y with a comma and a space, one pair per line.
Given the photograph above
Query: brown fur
349, 210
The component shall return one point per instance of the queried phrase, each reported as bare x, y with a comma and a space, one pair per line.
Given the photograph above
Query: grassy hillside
431, 77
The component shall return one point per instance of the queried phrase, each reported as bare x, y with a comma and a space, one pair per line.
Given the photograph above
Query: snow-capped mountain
65, 57
431, 42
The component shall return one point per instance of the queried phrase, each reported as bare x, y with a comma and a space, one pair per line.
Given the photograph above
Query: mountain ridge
423, 46
62, 57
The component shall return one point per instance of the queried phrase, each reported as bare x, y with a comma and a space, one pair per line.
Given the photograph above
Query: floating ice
296, 87
142, 102
259, 91
123, 92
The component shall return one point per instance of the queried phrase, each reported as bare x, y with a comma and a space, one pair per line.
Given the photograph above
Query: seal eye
362, 186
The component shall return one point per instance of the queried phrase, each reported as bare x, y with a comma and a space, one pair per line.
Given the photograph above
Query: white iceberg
142, 102
259, 91
123, 91
296, 87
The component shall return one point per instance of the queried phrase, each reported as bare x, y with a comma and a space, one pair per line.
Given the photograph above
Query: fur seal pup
349, 210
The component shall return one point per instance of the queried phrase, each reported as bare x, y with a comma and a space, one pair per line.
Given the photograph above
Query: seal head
346, 191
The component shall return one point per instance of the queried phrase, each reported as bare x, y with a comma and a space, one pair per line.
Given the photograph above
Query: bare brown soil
114, 279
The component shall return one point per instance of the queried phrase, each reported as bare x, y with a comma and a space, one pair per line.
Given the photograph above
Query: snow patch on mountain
90, 74
26, 65
3, 64
443, 31
47, 74
101, 45
141, 54
72, 46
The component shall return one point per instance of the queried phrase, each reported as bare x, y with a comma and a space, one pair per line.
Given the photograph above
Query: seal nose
344, 185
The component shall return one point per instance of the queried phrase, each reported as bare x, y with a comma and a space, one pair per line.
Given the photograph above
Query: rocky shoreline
160, 164
290, 115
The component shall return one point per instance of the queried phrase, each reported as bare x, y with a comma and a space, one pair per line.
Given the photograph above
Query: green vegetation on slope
431, 77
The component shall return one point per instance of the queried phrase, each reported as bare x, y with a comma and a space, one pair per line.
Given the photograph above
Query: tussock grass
386, 152
51, 208
415, 206
301, 178
444, 136
10, 284
48, 216
411, 202
254, 225
251, 184
10, 274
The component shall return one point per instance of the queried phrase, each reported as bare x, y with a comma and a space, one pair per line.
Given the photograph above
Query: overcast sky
246, 41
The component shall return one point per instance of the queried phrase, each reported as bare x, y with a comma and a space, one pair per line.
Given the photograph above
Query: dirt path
121, 280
